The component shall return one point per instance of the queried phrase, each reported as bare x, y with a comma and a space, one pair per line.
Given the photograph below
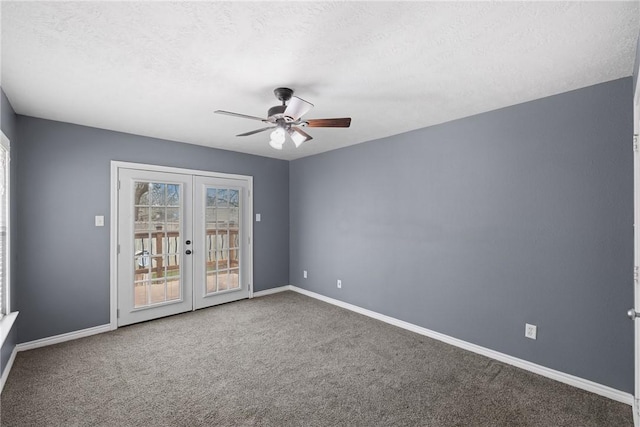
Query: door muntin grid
222, 237
157, 240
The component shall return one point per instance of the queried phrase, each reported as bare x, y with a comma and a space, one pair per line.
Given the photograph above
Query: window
4, 225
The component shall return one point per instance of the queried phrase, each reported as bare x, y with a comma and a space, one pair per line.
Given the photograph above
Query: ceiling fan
287, 120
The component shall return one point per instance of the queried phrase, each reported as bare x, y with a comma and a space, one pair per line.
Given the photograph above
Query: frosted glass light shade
275, 144
277, 139
297, 138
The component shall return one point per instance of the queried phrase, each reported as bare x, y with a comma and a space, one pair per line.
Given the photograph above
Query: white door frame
636, 246
115, 166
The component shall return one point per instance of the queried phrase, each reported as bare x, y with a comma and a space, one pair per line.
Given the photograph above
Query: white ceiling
161, 69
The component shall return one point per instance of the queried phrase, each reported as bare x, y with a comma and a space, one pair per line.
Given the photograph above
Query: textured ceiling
161, 69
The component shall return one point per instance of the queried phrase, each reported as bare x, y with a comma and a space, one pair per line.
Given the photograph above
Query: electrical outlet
304, 274
530, 331
339, 284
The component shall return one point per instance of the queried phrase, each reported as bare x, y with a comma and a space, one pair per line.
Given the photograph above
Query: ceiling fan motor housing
283, 93
277, 110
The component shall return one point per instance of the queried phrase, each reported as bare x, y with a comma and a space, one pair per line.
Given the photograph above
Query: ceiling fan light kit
286, 119
277, 138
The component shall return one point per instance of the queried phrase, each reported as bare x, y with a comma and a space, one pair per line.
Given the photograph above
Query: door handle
633, 314
188, 252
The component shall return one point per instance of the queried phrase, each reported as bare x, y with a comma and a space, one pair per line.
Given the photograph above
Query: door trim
636, 255
116, 165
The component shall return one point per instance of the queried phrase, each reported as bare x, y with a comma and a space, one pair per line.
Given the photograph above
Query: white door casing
636, 237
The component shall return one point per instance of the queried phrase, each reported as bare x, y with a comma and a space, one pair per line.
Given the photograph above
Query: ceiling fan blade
256, 131
298, 136
329, 123
297, 108
244, 116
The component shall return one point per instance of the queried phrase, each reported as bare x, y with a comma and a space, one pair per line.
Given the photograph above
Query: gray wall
8, 123
64, 175
7, 347
474, 227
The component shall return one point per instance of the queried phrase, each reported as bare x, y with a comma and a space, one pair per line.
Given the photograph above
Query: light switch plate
258, 218
99, 220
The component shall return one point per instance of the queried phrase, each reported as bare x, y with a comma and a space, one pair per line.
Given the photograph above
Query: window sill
5, 326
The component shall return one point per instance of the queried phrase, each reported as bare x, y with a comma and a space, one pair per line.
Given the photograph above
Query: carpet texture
283, 360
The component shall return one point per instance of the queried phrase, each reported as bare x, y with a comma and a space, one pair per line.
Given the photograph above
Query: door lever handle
633, 314
188, 252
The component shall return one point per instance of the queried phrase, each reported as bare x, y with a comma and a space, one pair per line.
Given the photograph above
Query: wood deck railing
217, 241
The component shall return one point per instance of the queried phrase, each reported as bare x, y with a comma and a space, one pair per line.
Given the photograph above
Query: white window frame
6, 292
6, 321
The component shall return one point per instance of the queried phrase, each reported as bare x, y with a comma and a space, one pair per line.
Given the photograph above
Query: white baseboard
7, 369
602, 390
63, 337
106, 328
272, 291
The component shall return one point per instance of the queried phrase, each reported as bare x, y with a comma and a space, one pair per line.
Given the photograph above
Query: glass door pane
157, 225
222, 239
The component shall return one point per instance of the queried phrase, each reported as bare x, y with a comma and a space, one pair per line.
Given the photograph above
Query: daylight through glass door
157, 243
222, 239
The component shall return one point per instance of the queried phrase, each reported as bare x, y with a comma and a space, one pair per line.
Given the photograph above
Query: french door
183, 242
218, 222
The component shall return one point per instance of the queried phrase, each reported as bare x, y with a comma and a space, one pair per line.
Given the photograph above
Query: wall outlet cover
304, 274
530, 331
